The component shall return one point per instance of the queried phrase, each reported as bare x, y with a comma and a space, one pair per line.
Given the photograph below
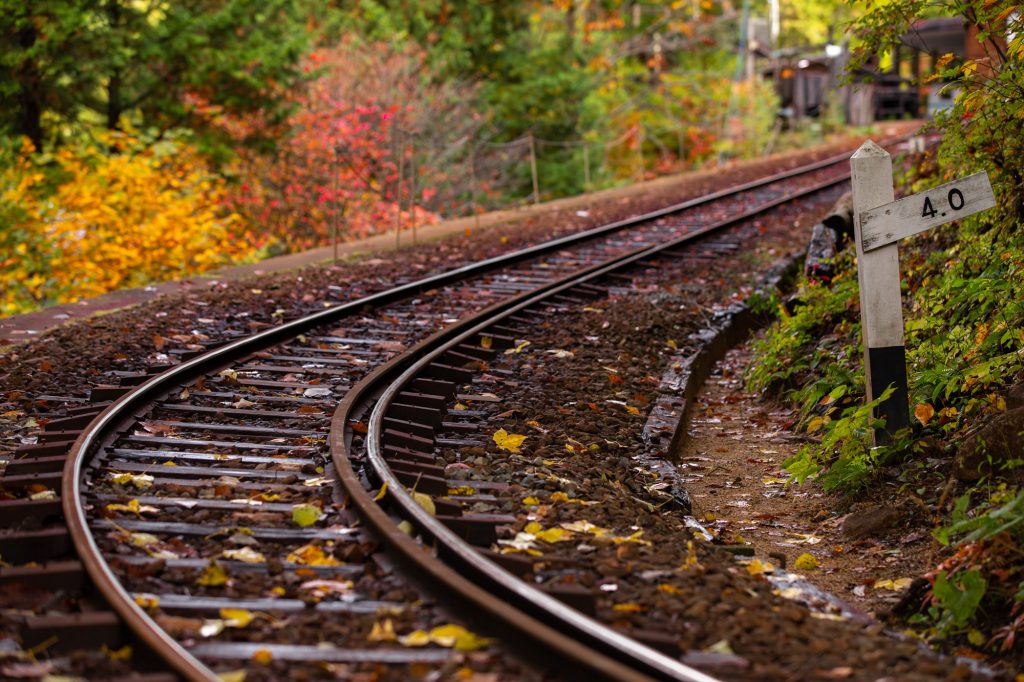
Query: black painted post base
889, 368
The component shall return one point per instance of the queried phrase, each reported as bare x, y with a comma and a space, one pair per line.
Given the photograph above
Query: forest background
143, 140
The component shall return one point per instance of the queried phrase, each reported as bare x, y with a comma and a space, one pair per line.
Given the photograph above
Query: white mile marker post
885, 358
878, 223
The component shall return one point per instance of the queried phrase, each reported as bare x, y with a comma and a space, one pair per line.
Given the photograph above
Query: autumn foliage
105, 216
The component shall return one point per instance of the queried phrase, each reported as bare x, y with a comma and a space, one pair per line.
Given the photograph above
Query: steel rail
462, 556
136, 400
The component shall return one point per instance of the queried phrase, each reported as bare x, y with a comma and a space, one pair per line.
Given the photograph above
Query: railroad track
228, 509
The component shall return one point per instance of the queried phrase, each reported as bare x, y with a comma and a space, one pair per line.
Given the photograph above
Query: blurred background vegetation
148, 139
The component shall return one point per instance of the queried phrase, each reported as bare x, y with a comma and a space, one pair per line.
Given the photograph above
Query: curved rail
119, 412
453, 548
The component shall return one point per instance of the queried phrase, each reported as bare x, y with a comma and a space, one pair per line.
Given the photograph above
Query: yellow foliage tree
106, 217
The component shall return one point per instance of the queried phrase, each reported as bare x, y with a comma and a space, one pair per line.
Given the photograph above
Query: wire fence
473, 174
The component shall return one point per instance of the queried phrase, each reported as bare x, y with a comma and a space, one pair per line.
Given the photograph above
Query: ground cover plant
964, 309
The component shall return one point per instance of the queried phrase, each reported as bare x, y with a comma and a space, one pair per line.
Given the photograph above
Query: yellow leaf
486, 342
672, 344
817, 423
943, 60
140, 481
532, 528
632, 410
457, 637
923, 413
531, 500
122, 654
897, 585
553, 535
305, 514
459, 407
461, 490
416, 638
508, 441
425, 502
669, 589
805, 562
518, 349
147, 601
559, 497
262, 656
975, 637
245, 554
312, 555
236, 618
382, 632
758, 567
213, 575
691, 556
383, 491
232, 676
143, 539
628, 607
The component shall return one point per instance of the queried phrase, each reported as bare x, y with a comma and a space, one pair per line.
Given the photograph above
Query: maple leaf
508, 441
923, 413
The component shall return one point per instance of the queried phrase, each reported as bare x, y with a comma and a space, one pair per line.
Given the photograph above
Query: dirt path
865, 551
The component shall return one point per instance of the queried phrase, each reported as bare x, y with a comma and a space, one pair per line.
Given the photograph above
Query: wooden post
533, 171
586, 168
412, 185
878, 271
337, 197
400, 146
640, 150
474, 189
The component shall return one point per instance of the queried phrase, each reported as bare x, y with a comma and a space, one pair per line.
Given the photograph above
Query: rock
840, 219
820, 251
992, 447
873, 520
1015, 397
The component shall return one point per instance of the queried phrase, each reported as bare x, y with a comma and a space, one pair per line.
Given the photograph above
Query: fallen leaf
897, 585
508, 441
245, 554
486, 342
923, 413
458, 638
142, 539
262, 656
553, 535
213, 575
312, 555
306, 514
382, 632
232, 676
416, 638
140, 481
629, 607
531, 500
147, 601
758, 567
133, 507
632, 410
425, 502
518, 349
805, 562
381, 493
322, 588
236, 618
